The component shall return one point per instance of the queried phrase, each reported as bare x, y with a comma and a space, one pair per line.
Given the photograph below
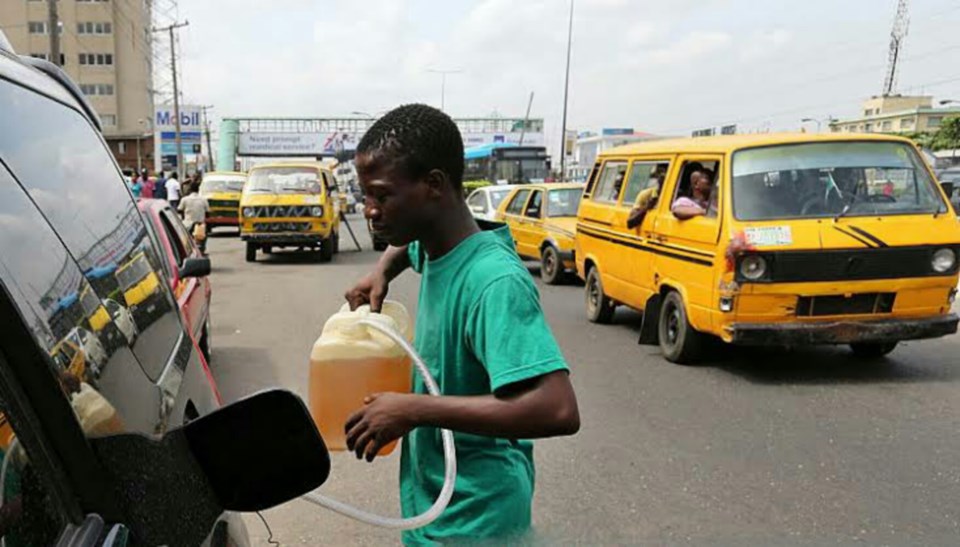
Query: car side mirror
250, 455
195, 267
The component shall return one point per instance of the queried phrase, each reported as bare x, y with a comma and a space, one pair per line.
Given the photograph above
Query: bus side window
592, 179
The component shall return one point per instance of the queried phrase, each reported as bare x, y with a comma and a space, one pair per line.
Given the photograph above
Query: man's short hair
416, 138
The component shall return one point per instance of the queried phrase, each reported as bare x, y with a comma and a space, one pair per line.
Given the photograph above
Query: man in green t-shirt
479, 328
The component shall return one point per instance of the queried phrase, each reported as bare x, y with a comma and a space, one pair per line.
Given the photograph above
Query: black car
131, 447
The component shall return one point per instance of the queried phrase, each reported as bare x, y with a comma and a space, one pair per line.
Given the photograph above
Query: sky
659, 66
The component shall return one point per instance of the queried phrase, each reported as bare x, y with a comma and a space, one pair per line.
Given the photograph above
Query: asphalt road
756, 448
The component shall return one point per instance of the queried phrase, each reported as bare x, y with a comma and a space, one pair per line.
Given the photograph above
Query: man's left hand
384, 418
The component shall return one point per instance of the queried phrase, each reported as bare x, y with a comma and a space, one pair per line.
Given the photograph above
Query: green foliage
471, 185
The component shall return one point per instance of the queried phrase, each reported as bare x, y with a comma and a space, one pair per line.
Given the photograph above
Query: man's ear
437, 182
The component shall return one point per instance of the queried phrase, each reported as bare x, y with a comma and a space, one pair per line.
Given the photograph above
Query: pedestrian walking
148, 185
160, 186
194, 209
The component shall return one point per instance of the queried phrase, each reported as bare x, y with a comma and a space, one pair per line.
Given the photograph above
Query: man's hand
385, 417
371, 289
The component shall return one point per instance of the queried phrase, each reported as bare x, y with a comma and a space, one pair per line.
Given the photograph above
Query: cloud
689, 48
761, 45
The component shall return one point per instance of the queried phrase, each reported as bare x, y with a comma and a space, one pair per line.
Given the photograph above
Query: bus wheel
874, 350
551, 268
599, 307
679, 341
326, 248
251, 252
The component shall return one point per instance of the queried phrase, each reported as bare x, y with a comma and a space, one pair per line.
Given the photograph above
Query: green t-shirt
479, 328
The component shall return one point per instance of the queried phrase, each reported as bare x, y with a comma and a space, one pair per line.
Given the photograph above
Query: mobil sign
165, 132
190, 118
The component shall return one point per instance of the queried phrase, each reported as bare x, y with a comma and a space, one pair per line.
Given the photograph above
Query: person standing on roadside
173, 191
479, 328
148, 185
160, 186
194, 209
136, 187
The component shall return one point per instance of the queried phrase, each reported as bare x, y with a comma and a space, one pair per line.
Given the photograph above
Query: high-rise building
106, 48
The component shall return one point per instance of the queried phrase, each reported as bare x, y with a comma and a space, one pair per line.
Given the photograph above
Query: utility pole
443, 83
206, 131
901, 23
526, 119
566, 90
53, 24
176, 91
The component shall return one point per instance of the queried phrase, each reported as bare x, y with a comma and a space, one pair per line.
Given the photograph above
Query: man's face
704, 184
398, 208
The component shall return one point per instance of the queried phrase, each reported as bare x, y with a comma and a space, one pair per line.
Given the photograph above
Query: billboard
530, 138
296, 144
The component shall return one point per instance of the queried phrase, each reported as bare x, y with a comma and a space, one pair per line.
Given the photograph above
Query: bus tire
679, 342
251, 252
326, 248
599, 307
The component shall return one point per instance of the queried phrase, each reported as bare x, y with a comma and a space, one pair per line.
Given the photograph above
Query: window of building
868, 127
886, 126
90, 27
102, 59
122, 147
109, 120
868, 112
92, 1
934, 121
906, 123
37, 27
97, 89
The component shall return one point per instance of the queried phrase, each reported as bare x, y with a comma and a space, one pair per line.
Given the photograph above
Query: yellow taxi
222, 190
542, 220
786, 240
290, 205
140, 285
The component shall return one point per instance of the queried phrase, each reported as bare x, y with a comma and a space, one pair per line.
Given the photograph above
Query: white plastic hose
449, 458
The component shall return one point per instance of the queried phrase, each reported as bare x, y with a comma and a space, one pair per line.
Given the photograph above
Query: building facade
106, 48
589, 145
896, 114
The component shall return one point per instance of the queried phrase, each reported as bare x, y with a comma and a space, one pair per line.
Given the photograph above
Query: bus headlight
316, 211
753, 267
247, 211
943, 260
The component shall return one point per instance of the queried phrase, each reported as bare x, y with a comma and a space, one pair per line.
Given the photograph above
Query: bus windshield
283, 180
212, 185
833, 179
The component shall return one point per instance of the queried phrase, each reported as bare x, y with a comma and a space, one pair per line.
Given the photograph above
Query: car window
643, 175
535, 205
29, 512
515, 207
89, 350
610, 182
497, 197
181, 242
63, 164
476, 200
683, 189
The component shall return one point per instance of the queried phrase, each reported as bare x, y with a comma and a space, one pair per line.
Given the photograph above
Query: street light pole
443, 83
804, 120
566, 91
